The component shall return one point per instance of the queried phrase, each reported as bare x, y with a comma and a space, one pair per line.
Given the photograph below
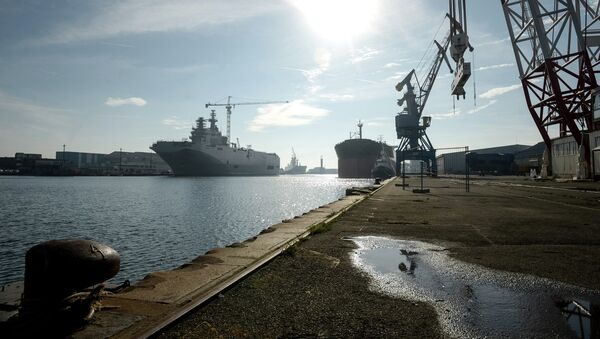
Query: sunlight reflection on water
155, 223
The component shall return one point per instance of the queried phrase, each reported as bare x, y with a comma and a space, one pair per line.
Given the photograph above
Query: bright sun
338, 20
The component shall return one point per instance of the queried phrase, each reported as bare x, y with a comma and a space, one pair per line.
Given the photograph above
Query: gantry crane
229, 105
557, 47
414, 142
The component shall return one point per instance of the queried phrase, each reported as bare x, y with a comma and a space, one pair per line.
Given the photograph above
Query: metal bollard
55, 269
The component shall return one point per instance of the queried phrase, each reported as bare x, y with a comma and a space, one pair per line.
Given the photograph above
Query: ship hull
217, 161
295, 170
357, 157
383, 172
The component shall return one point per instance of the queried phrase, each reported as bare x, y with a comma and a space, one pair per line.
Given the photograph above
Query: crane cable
474, 81
431, 45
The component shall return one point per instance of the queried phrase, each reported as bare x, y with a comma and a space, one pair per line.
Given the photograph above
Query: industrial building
81, 160
115, 163
521, 160
494, 160
566, 160
82, 163
136, 163
530, 159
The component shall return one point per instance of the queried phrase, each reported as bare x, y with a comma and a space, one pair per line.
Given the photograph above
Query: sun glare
338, 20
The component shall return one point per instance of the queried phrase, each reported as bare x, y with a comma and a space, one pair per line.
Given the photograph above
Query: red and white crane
557, 48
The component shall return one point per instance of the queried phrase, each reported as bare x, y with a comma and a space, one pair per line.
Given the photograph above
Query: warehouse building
494, 160
566, 157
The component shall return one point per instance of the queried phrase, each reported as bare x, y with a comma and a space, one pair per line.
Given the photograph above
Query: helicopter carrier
208, 153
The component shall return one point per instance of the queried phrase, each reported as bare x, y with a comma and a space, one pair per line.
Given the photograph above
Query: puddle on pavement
472, 301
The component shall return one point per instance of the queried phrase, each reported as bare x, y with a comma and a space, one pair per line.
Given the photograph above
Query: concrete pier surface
544, 229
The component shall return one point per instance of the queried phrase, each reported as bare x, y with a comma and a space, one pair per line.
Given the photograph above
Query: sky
97, 76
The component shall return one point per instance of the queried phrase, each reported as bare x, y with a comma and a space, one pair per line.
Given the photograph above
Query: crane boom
425, 88
427, 84
414, 142
229, 105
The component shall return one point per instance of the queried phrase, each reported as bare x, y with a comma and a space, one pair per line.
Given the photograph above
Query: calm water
155, 223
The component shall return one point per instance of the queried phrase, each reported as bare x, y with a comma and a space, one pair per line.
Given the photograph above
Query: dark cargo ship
357, 157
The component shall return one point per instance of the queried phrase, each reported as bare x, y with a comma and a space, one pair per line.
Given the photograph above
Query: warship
209, 153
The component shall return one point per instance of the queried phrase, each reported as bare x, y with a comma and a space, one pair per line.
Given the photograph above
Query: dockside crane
459, 43
414, 142
557, 50
229, 105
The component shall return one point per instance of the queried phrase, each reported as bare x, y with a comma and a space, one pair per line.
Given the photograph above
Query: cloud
494, 42
482, 107
456, 112
16, 105
184, 69
494, 92
485, 68
391, 64
114, 44
379, 121
28, 114
124, 17
295, 113
323, 61
115, 102
314, 89
323, 58
400, 62
312, 74
396, 76
336, 97
446, 115
368, 81
366, 54
177, 123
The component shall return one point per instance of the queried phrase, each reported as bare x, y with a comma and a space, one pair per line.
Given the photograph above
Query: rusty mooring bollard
57, 268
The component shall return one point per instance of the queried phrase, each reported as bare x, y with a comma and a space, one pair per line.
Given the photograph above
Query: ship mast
360, 125
213, 120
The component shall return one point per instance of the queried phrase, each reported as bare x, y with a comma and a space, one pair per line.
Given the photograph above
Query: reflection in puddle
472, 301
582, 316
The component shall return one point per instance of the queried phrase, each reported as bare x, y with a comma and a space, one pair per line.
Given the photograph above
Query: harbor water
155, 223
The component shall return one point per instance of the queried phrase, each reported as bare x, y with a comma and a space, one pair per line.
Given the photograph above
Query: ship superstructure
384, 167
294, 166
209, 153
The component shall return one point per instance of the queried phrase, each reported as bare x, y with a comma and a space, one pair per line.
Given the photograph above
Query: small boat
384, 166
294, 166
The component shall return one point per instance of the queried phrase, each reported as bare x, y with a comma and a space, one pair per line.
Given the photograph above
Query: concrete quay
162, 297
298, 278
539, 229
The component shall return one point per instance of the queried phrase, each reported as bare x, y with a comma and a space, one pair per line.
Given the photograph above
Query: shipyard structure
209, 153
